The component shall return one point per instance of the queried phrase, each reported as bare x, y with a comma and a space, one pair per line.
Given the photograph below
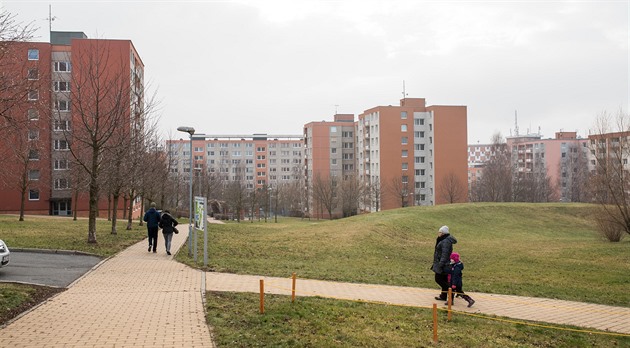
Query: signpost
201, 224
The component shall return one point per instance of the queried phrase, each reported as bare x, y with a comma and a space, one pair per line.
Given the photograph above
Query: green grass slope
544, 250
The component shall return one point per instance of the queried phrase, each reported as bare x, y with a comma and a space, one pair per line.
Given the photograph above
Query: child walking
455, 271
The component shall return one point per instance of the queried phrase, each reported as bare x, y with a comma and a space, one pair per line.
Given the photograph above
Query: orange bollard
293, 289
435, 323
449, 300
262, 296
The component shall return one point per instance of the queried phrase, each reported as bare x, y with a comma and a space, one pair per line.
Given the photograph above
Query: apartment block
258, 160
413, 154
554, 157
329, 159
54, 70
404, 155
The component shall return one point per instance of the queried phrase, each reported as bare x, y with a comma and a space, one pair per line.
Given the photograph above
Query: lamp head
189, 130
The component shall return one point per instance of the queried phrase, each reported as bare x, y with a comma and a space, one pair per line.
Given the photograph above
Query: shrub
609, 227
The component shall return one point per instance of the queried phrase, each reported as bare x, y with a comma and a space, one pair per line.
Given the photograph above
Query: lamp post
269, 189
191, 131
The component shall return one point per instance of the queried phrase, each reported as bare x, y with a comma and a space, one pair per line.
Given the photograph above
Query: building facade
257, 162
58, 70
391, 157
413, 154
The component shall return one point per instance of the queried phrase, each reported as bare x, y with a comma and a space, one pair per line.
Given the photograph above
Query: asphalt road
49, 269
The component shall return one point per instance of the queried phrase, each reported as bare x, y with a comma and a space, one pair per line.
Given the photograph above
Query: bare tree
100, 99
495, 184
14, 84
610, 148
351, 193
452, 189
325, 194
574, 174
24, 151
400, 188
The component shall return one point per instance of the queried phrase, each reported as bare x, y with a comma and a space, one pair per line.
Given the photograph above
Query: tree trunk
115, 212
76, 204
22, 203
130, 212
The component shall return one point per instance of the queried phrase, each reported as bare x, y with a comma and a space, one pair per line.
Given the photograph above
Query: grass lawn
542, 250
62, 233
319, 322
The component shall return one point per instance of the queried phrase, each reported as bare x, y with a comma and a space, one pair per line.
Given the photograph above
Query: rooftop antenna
336, 106
403, 92
50, 19
515, 123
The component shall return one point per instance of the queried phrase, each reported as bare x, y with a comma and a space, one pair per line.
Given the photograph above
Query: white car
4, 254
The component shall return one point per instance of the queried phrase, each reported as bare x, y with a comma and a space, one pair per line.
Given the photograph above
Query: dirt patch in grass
16, 299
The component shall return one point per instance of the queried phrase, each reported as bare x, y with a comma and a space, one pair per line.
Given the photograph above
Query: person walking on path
152, 218
442, 259
168, 223
455, 270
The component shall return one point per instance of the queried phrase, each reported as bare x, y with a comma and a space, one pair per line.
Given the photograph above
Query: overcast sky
244, 67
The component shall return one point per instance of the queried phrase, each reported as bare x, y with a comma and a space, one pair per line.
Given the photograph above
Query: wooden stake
262, 296
449, 300
293, 289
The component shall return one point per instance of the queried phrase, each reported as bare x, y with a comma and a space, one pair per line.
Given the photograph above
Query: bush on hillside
609, 227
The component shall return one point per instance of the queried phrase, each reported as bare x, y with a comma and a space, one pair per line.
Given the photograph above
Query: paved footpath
585, 315
134, 299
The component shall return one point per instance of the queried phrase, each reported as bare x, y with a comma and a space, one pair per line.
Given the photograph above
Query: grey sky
227, 67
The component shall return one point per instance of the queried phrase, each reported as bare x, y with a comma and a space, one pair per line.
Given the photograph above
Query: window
33, 134
346, 134
33, 74
62, 66
61, 164
61, 86
334, 161
403, 127
33, 175
62, 105
405, 179
61, 184
422, 184
33, 95
346, 145
198, 149
33, 155
405, 166
33, 54
260, 157
404, 140
405, 153
260, 149
403, 115
33, 195
333, 150
419, 121
333, 129
33, 114
61, 145
223, 145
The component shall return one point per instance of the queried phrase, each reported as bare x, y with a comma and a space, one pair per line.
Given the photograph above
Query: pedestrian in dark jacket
152, 218
442, 259
455, 270
168, 223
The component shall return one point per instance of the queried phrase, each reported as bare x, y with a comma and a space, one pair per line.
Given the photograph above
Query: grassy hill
545, 250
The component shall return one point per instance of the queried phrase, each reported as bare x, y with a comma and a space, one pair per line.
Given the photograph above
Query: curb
54, 251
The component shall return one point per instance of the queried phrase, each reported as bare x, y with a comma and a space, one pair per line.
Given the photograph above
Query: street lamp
191, 131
